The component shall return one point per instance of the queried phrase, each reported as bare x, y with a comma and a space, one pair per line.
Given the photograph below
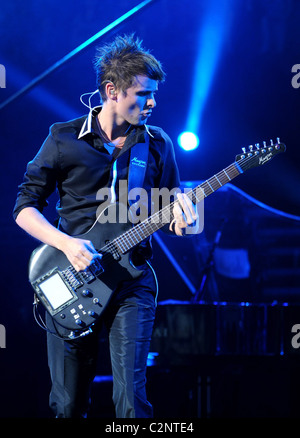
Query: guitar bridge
76, 279
71, 277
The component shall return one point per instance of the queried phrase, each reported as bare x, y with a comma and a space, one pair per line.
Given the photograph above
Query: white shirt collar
87, 124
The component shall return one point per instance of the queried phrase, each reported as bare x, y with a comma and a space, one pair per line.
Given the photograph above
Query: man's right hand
79, 252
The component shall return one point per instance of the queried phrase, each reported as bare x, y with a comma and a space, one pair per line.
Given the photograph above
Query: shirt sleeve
40, 178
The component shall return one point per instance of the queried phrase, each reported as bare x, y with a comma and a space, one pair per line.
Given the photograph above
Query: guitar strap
136, 175
137, 156
138, 165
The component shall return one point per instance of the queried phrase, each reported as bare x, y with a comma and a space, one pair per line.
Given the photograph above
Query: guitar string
223, 177
149, 223
154, 222
129, 235
244, 162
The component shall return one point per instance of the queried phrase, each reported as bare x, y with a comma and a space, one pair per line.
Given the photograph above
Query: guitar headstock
258, 155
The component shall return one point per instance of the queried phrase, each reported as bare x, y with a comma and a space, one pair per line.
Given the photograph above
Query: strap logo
135, 161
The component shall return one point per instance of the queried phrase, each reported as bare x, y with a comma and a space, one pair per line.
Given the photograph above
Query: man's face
135, 105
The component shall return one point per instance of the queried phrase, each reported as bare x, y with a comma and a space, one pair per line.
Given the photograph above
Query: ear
110, 90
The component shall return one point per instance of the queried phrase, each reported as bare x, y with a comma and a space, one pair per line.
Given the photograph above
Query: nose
151, 102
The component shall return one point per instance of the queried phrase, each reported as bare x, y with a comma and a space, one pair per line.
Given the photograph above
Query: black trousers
129, 318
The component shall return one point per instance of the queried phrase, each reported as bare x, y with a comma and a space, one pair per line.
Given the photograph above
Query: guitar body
76, 300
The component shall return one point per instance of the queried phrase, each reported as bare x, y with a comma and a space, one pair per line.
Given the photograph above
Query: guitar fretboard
144, 229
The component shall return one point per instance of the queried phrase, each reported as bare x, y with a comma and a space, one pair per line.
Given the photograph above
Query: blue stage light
188, 141
213, 31
41, 94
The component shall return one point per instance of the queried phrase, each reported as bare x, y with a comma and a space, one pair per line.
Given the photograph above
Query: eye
148, 94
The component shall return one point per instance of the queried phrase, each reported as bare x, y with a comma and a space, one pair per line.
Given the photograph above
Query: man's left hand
185, 214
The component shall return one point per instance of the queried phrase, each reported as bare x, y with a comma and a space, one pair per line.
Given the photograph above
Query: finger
188, 209
89, 245
188, 206
93, 253
79, 265
177, 211
86, 251
87, 255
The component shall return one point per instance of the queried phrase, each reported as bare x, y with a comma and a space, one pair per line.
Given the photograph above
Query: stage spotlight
188, 141
214, 28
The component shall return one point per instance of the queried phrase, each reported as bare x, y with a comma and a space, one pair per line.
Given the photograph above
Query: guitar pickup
96, 268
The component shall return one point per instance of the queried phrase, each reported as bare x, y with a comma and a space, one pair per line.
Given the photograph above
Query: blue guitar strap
138, 165
136, 175
131, 166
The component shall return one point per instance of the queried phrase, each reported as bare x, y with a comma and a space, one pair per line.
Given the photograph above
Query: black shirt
74, 161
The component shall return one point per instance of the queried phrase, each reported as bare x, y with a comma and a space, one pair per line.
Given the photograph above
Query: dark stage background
231, 80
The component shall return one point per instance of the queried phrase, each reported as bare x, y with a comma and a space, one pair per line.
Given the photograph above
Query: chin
138, 123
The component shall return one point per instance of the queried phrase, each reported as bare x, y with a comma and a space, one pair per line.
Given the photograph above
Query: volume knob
86, 293
79, 322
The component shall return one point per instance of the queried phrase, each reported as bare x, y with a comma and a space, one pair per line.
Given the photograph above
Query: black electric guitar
75, 300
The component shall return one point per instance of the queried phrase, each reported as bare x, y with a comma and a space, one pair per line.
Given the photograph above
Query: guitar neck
146, 228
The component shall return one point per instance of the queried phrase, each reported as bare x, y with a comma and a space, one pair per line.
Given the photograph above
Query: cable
41, 323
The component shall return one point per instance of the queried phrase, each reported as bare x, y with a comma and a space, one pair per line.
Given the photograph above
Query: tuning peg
244, 150
251, 148
257, 146
271, 142
278, 144
264, 144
